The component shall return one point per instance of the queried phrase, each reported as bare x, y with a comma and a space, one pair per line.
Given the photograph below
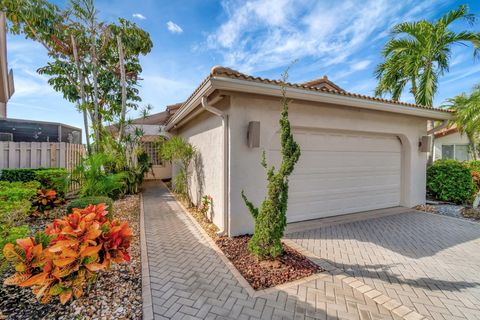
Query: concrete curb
147, 305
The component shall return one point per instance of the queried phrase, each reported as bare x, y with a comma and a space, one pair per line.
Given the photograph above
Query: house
359, 153
152, 127
449, 143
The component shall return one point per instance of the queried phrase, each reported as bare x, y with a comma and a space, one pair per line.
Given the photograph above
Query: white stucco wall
247, 174
159, 172
454, 138
205, 132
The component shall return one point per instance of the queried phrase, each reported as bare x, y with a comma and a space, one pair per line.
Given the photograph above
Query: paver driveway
189, 280
428, 262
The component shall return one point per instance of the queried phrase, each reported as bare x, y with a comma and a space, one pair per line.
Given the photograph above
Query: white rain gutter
208, 107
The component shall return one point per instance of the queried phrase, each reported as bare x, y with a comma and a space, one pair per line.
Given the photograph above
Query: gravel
117, 294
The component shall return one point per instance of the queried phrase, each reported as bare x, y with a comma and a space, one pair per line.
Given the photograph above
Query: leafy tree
467, 116
419, 52
270, 218
181, 151
85, 61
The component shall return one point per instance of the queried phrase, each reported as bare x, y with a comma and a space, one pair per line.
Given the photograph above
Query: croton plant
70, 252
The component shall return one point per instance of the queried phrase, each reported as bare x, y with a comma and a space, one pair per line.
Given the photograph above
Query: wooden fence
41, 155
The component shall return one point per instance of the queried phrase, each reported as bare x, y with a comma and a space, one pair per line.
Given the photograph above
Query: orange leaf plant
70, 252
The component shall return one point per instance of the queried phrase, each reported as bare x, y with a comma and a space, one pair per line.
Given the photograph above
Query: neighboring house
153, 128
449, 143
6, 76
19, 130
358, 153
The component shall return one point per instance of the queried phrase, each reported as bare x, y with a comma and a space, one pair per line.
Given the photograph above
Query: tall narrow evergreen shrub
270, 218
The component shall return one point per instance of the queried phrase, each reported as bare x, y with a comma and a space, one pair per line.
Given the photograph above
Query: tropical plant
46, 200
181, 152
94, 178
68, 254
270, 219
450, 180
467, 116
94, 64
10, 234
419, 52
82, 203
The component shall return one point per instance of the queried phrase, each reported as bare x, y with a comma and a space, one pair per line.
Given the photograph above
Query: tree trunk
82, 93
96, 112
124, 88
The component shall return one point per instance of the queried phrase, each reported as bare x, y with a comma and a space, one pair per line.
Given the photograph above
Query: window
153, 149
458, 152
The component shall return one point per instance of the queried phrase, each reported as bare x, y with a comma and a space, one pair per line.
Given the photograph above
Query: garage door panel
340, 173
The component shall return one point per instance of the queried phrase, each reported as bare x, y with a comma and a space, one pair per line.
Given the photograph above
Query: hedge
86, 201
450, 180
49, 178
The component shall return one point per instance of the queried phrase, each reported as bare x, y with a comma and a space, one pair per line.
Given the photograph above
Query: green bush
474, 165
450, 180
86, 201
9, 235
16, 200
49, 178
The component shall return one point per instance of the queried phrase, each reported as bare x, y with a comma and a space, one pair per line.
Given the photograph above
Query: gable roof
324, 89
446, 131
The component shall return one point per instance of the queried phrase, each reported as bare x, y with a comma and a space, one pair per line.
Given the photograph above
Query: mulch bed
290, 266
117, 293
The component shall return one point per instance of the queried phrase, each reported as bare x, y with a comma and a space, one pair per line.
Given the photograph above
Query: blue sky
341, 39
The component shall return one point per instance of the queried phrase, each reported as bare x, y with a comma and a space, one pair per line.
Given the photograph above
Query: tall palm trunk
82, 93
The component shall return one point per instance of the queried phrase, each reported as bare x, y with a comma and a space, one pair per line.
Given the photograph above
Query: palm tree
467, 116
419, 52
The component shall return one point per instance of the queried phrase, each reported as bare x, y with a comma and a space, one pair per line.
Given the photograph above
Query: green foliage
270, 218
15, 200
49, 178
82, 203
419, 52
53, 179
94, 178
98, 55
9, 234
450, 180
180, 151
474, 165
467, 109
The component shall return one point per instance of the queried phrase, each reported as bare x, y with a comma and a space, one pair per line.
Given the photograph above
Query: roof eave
204, 90
223, 83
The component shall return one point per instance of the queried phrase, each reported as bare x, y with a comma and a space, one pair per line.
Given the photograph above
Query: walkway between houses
189, 280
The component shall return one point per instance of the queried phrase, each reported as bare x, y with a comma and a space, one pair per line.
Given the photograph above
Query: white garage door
342, 172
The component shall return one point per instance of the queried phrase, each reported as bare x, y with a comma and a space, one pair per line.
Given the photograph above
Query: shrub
10, 234
49, 178
179, 150
95, 180
15, 200
474, 165
270, 218
82, 203
60, 261
46, 200
450, 180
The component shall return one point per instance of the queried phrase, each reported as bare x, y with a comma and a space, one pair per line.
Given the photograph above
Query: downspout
224, 116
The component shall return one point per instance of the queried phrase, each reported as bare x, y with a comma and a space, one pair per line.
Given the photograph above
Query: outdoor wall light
425, 144
253, 134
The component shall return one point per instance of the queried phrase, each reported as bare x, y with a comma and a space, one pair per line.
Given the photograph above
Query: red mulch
288, 267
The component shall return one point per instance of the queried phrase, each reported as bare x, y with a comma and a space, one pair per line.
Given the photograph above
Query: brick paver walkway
190, 281
428, 262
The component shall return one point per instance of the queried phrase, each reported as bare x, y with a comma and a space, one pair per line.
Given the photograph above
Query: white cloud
264, 34
139, 16
173, 27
